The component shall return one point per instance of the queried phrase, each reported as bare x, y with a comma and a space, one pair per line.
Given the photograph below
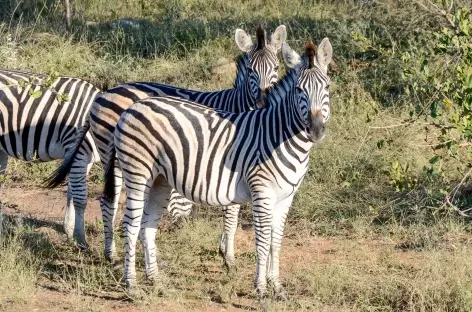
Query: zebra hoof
231, 268
134, 293
159, 287
281, 295
117, 265
83, 247
264, 301
110, 258
153, 279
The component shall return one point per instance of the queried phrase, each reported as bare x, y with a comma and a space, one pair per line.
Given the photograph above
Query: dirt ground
298, 252
48, 205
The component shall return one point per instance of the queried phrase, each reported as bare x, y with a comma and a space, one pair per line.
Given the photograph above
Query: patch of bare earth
298, 253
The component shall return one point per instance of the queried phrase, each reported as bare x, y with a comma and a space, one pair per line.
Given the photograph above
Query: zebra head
263, 58
313, 83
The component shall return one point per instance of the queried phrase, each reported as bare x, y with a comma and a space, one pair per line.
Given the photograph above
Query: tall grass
18, 268
179, 41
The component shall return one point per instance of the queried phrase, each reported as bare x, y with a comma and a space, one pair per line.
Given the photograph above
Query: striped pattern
257, 70
39, 121
219, 158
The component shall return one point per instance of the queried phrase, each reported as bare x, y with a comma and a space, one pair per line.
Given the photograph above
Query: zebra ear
243, 40
324, 54
278, 37
291, 58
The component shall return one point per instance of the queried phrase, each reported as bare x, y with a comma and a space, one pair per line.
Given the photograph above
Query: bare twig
449, 201
389, 126
456, 209
432, 145
363, 142
461, 183
67, 5
434, 8
401, 124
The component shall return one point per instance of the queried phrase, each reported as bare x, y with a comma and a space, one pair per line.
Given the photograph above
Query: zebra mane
310, 52
280, 89
242, 63
260, 36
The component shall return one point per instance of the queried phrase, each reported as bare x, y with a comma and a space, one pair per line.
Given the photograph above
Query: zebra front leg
262, 207
230, 219
156, 203
278, 225
109, 210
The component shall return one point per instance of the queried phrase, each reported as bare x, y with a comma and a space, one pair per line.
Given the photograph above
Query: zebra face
253, 85
266, 64
313, 84
263, 56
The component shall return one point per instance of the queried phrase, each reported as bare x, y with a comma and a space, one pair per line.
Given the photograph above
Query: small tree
68, 18
441, 77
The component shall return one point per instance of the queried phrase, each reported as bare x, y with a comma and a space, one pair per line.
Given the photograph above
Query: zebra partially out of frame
257, 70
219, 158
39, 119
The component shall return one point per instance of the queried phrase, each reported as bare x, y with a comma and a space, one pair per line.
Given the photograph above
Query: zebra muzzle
261, 101
316, 127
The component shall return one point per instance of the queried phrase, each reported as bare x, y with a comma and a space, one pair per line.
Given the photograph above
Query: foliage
442, 78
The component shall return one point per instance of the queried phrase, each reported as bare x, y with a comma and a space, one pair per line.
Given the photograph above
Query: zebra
218, 158
40, 117
257, 70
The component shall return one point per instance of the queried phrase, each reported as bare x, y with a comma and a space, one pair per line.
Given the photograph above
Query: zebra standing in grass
218, 158
39, 121
257, 70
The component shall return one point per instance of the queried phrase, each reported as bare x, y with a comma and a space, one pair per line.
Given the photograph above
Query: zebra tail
109, 188
60, 174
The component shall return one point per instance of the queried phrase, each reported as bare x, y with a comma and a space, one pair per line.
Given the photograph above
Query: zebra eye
276, 68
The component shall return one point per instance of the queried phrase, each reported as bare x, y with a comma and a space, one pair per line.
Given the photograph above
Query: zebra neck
285, 120
235, 100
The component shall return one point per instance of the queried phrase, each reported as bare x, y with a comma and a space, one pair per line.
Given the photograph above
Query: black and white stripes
219, 158
39, 120
257, 71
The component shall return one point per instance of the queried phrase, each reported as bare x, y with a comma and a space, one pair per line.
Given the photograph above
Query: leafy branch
34, 82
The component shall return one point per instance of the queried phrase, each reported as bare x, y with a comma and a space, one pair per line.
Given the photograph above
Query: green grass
347, 195
18, 270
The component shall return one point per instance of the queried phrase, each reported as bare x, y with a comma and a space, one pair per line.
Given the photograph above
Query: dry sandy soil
298, 252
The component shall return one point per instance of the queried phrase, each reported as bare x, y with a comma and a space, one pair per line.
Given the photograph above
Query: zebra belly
215, 191
15, 147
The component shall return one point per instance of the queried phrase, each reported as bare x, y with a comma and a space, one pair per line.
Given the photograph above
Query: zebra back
183, 141
40, 114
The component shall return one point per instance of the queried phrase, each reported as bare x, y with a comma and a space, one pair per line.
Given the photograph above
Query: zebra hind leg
3, 170
69, 216
230, 219
136, 193
155, 205
75, 212
179, 207
109, 209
